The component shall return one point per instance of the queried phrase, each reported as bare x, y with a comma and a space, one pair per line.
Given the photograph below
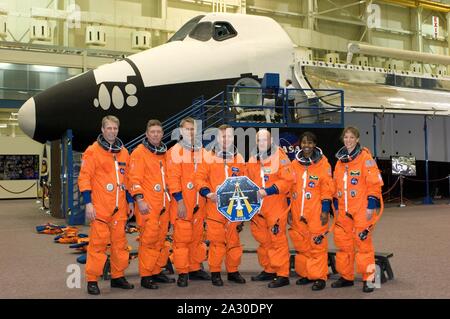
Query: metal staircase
324, 110
211, 112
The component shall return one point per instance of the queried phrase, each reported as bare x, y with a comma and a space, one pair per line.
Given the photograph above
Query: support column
310, 20
416, 24
368, 30
447, 16
13, 129
243, 6
55, 185
427, 200
402, 204
374, 126
164, 9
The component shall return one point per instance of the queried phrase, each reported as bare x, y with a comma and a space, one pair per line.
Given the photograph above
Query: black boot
216, 279
303, 281
92, 288
199, 275
162, 278
366, 287
341, 282
147, 282
278, 282
236, 277
121, 283
182, 280
264, 276
319, 285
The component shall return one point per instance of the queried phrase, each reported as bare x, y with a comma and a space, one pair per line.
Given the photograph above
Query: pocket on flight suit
182, 231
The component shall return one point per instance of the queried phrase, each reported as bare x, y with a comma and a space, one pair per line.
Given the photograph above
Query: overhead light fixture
5, 65
3, 125
45, 68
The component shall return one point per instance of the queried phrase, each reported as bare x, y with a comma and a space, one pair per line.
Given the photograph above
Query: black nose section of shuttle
80, 104
65, 105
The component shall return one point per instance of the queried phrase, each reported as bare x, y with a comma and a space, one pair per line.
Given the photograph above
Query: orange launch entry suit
358, 182
310, 196
147, 177
222, 234
268, 227
102, 179
189, 250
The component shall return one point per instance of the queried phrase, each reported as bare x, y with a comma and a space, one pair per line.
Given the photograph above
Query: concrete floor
32, 266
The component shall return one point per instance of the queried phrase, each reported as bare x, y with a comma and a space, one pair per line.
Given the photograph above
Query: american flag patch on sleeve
370, 163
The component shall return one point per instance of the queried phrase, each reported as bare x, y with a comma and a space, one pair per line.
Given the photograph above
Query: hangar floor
32, 266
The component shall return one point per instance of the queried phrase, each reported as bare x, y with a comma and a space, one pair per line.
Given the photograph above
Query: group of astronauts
176, 186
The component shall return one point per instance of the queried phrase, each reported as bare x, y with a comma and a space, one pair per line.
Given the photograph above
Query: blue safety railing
293, 108
245, 106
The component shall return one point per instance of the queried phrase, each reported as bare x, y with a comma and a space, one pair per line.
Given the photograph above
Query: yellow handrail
426, 4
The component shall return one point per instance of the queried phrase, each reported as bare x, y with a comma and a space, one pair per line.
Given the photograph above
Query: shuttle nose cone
27, 117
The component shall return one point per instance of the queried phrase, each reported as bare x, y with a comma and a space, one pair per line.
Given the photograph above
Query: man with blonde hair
102, 180
188, 208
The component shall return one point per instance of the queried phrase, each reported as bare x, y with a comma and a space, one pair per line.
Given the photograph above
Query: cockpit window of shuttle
202, 32
185, 29
223, 31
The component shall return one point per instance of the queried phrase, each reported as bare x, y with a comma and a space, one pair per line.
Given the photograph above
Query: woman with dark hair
311, 197
358, 190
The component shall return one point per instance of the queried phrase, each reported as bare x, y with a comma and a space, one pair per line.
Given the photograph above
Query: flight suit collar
191, 147
263, 156
226, 155
116, 147
343, 155
307, 161
157, 150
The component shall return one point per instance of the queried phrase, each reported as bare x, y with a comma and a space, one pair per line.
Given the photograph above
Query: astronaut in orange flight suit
102, 182
148, 185
269, 168
311, 198
358, 190
188, 208
217, 165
